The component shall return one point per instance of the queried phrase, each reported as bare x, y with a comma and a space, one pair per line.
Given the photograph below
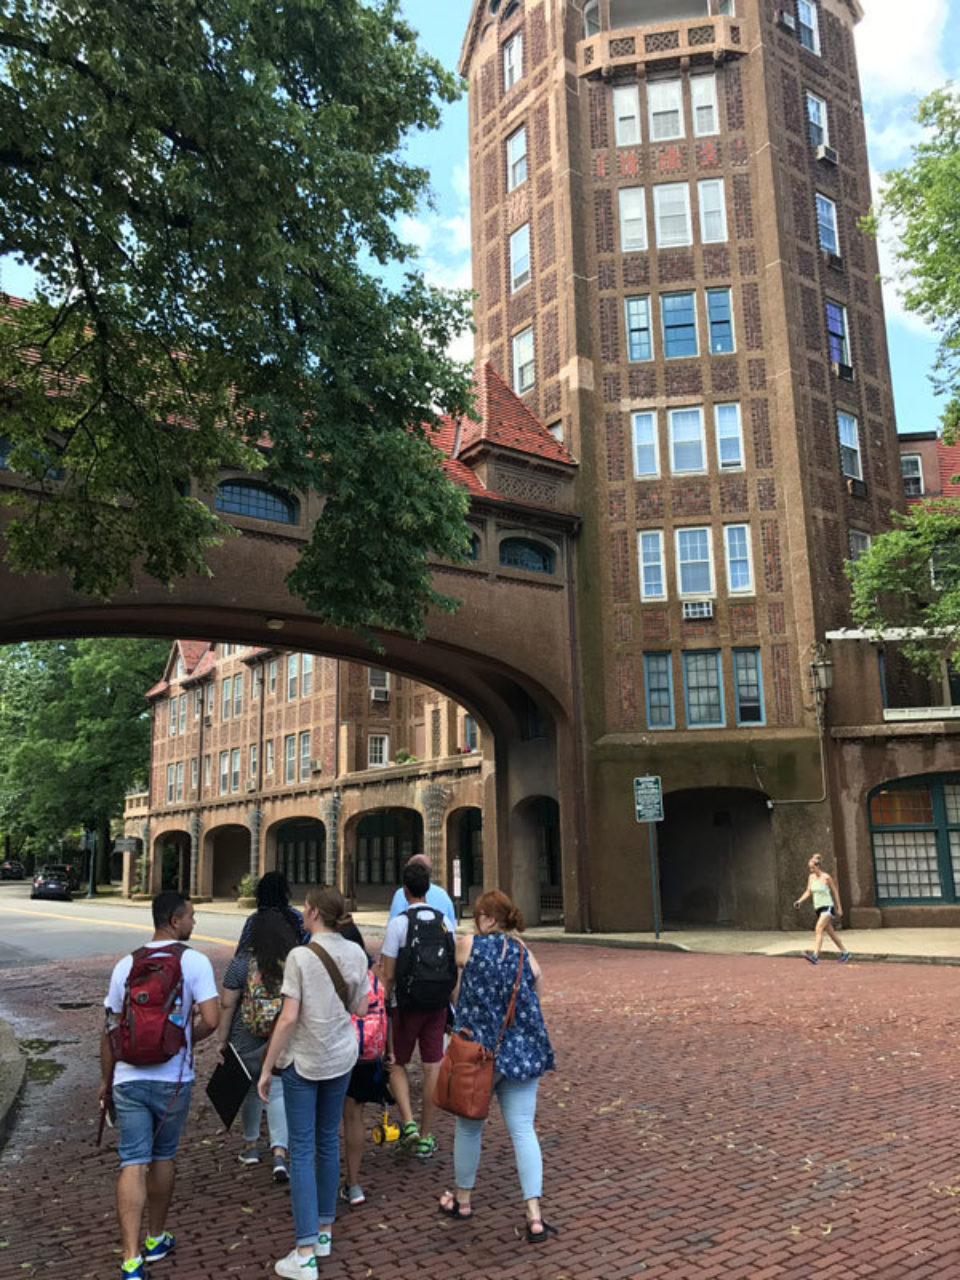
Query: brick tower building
666, 198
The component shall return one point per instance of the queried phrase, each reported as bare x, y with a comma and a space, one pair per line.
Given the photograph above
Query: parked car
11, 870
52, 882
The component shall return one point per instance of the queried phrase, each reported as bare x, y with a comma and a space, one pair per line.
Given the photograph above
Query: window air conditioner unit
695, 609
826, 154
834, 260
380, 695
316, 766
250, 786
843, 371
208, 721
786, 20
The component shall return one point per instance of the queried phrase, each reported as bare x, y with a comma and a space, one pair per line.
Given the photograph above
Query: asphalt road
34, 932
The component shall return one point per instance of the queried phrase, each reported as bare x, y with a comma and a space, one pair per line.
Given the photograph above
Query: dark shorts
368, 1083
825, 911
418, 1026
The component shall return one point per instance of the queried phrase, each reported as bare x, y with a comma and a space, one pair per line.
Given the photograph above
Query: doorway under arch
537, 877
171, 861
717, 863
301, 847
384, 841
465, 853
230, 847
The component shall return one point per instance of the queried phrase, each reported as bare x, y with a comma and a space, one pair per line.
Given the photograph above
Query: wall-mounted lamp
821, 674
275, 624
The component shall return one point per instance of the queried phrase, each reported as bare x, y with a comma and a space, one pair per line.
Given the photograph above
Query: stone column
434, 799
330, 812
254, 822
144, 877
193, 826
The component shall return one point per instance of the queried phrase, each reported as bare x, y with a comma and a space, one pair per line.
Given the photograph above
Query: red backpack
372, 1027
151, 1026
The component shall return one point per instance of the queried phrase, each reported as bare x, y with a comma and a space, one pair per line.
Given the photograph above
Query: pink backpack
372, 1027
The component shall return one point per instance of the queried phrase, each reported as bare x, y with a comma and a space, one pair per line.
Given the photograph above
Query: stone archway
377, 846
537, 878
170, 861
227, 858
299, 847
465, 869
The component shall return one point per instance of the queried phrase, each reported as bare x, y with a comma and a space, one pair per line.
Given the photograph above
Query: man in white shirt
152, 1101
436, 896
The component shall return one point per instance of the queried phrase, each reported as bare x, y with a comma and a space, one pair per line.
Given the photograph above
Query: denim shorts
150, 1119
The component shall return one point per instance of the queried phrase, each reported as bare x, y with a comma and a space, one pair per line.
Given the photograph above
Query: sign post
648, 801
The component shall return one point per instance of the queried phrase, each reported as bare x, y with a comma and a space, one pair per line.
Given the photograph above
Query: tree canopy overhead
208, 194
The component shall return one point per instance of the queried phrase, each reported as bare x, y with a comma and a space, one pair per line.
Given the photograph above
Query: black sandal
538, 1237
454, 1209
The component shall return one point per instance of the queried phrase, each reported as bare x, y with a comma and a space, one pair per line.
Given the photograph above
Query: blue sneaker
808, 955
157, 1247
133, 1269
845, 956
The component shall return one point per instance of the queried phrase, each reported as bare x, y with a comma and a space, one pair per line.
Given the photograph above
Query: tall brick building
665, 206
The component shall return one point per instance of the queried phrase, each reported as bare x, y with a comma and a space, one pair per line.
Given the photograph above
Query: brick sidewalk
711, 1116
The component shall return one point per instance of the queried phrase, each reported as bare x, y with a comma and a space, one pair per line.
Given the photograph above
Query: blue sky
903, 53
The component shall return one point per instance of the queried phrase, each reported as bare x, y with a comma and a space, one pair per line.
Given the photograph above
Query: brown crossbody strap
336, 977
508, 1018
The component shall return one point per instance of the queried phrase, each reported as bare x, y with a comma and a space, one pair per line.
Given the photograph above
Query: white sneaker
298, 1266
324, 1242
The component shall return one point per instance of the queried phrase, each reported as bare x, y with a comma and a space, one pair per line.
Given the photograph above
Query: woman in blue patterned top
489, 960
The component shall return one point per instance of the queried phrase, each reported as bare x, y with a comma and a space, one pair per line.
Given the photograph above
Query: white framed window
703, 689
729, 432
210, 697
653, 578
224, 772
183, 712
646, 447
272, 676
633, 219
736, 546
694, 562
678, 315
226, 699
305, 755
665, 109
720, 321
293, 675
290, 758
377, 678
639, 333
169, 784
838, 342
306, 675
252, 761
859, 543
256, 682
524, 369
517, 158
688, 452
181, 668
818, 128
179, 779
197, 703
911, 469
671, 209
172, 707
520, 258
713, 211
827, 224
512, 60
658, 687
207, 768
235, 769
808, 26
626, 115
849, 433
378, 750
703, 100
268, 756
194, 773
237, 694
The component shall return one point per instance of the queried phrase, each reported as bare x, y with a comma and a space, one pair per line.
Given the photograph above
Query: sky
903, 54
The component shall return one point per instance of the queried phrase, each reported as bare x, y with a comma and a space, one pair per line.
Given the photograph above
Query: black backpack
426, 965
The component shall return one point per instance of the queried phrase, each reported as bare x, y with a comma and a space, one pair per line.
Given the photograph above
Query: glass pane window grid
817, 121
512, 60
306, 675
694, 566
713, 213
523, 366
748, 685
626, 115
520, 258
837, 333
224, 772
720, 321
912, 471
859, 543
523, 553
517, 158
687, 451
252, 762
729, 437
678, 313
290, 758
376, 750
237, 694
902, 807
739, 569
703, 689
665, 107
169, 784
639, 337
671, 203
652, 580
183, 713
827, 224
907, 865
849, 445
951, 800
227, 698
646, 451
703, 96
235, 769
293, 675
633, 219
658, 683
305, 755
245, 498
808, 27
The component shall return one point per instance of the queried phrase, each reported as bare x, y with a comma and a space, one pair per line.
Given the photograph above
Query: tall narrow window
306, 675
197, 703
665, 108
859, 542
272, 675
517, 158
173, 717
520, 258
524, 374
179, 779
837, 341
653, 584
591, 19
849, 434
183, 713
658, 688
237, 694
633, 219
626, 115
305, 755
703, 98
170, 784
207, 765
729, 437
694, 562
713, 213
679, 315
671, 207
210, 698
911, 469
224, 772
268, 756
235, 769
827, 224
808, 25
470, 736
194, 773
290, 758
748, 686
703, 689
639, 340
378, 750
720, 321
687, 451
252, 761
736, 544
818, 130
226, 702
646, 451
512, 61
293, 675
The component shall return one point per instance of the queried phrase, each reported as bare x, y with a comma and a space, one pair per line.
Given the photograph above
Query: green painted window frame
949, 887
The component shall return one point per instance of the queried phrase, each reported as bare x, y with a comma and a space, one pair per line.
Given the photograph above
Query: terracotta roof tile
948, 460
160, 687
505, 420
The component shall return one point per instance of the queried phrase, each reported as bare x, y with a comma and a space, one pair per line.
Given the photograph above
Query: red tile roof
948, 460
506, 421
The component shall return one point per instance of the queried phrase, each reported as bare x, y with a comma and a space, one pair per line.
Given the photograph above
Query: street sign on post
648, 801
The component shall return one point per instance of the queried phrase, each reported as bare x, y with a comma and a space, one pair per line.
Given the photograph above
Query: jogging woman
822, 888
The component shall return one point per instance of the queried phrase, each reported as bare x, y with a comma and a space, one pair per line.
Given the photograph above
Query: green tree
209, 194
922, 200
74, 735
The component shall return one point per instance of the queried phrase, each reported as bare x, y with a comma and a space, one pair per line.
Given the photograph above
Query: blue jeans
518, 1106
150, 1117
314, 1109
251, 1114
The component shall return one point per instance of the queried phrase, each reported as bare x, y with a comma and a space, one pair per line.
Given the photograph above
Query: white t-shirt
323, 1043
396, 932
199, 984
437, 897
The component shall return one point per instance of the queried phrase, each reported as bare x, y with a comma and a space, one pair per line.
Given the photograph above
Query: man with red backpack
146, 1062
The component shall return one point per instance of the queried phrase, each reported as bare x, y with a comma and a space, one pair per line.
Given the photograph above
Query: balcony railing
706, 38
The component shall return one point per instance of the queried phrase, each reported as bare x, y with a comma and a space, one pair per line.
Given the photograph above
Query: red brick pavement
710, 1117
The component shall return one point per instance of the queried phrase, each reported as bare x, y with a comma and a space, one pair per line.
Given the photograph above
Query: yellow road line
113, 924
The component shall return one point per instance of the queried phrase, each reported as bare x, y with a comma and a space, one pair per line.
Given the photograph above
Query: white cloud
895, 278
898, 49
891, 134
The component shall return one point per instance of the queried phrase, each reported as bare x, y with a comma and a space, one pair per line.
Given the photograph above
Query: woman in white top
314, 1048
822, 888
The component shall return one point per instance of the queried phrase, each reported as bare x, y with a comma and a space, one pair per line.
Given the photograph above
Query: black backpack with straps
426, 972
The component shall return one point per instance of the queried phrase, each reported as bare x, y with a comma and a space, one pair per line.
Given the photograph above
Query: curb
13, 1068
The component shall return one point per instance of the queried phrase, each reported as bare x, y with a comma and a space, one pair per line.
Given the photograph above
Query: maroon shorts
423, 1026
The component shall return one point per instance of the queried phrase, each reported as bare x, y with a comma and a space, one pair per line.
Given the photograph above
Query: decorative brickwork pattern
598, 116
743, 621
734, 96
517, 207
691, 498
520, 308
548, 288
636, 269
643, 383
622, 627
742, 206
603, 220
541, 137
492, 228
488, 86
550, 343
700, 35
802, 211
816, 376
493, 277
661, 41
551, 400
683, 380
671, 158
873, 399
613, 424
609, 309
716, 260
655, 627
783, 695
601, 166
725, 376
772, 564
607, 275
648, 501
747, 257
709, 154
767, 494
623, 47
611, 388
734, 497
676, 266
546, 238
777, 618
806, 264
495, 327
739, 155
538, 36
697, 632
762, 443
627, 689
868, 351
752, 324
792, 103
544, 185
620, 566
757, 374
491, 180
810, 309
629, 163
617, 505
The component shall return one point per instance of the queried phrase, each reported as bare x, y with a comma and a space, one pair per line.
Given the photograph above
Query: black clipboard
229, 1085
